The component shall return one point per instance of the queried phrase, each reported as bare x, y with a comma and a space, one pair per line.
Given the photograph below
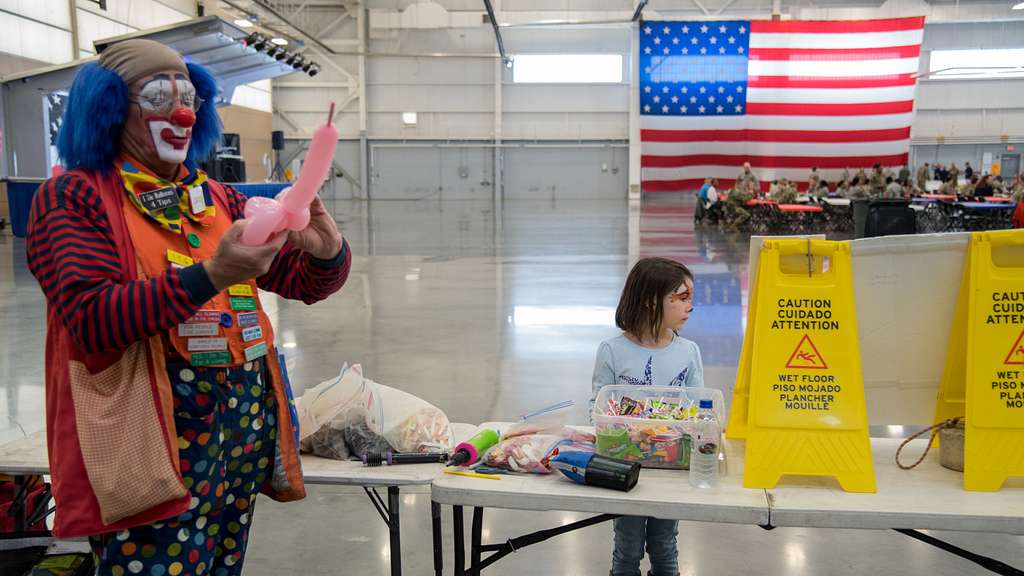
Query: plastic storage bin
653, 443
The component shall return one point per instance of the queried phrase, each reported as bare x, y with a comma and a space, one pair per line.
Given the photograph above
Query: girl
656, 302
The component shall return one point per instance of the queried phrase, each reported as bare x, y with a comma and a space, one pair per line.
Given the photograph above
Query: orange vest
111, 435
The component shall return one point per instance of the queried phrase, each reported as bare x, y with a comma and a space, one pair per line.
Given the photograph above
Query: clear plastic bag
526, 453
550, 419
367, 416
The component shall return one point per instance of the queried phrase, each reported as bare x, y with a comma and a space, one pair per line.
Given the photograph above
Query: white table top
28, 456
837, 201
927, 497
660, 493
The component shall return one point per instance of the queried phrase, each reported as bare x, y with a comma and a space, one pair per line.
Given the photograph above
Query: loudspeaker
277, 140
230, 143
228, 170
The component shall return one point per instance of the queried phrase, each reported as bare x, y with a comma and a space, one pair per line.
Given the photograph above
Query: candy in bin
629, 407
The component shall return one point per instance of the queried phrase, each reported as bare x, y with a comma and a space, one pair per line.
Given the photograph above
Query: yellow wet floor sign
994, 429
806, 407
738, 413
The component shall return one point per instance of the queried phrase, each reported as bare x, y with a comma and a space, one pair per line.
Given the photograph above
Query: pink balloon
290, 210
264, 216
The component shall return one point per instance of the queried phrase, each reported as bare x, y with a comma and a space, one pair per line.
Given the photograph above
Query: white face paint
157, 98
171, 141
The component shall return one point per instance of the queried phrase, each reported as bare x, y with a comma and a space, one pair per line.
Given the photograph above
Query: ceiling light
279, 41
243, 23
299, 62
1019, 6
313, 70
256, 40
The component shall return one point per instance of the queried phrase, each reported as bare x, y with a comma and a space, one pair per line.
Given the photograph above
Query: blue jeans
631, 532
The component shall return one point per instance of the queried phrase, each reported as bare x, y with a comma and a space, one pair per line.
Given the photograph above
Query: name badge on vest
190, 330
207, 344
248, 319
198, 201
159, 199
252, 333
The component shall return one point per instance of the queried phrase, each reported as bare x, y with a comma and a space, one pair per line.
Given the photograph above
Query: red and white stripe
826, 94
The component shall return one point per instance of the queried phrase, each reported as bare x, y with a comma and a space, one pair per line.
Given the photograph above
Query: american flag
785, 96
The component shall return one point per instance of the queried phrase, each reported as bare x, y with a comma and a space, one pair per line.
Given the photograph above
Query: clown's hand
235, 262
321, 238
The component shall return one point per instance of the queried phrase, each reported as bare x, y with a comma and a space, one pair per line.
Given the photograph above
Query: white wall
126, 16
456, 100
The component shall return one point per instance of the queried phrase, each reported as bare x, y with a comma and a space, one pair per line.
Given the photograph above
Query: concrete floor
487, 314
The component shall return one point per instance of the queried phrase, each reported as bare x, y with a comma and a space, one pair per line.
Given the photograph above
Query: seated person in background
702, 198
999, 186
823, 190
843, 189
713, 193
773, 189
1018, 188
892, 189
786, 193
983, 188
967, 190
736, 214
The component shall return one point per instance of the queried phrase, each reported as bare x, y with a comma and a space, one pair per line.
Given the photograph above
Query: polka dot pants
226, 436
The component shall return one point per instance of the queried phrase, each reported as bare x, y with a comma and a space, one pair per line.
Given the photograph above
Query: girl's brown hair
643, 298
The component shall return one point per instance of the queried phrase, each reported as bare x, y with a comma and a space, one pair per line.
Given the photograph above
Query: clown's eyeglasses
164, 105
157, 96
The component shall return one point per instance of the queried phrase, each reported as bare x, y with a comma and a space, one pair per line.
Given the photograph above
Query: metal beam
639, 10
264, 5
497, 33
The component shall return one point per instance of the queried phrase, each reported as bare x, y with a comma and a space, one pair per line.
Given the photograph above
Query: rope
934, 429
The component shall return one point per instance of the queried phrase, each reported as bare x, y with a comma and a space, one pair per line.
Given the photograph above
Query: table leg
435, 521
460, 541
395, 528
476, 537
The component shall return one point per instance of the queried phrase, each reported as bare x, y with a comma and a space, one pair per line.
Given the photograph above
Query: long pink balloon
290, 210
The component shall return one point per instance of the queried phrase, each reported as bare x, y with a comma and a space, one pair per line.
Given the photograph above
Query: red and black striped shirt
72, 254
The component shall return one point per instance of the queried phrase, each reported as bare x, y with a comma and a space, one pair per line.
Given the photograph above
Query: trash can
889, 217
860, 215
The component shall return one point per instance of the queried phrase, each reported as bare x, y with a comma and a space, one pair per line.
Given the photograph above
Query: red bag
1018, 216
34, 503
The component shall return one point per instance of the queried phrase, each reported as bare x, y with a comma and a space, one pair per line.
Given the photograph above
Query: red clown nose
183, 117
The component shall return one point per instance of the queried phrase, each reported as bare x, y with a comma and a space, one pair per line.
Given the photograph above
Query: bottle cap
706, 403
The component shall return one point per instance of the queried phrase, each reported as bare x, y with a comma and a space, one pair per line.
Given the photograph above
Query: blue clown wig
96, 110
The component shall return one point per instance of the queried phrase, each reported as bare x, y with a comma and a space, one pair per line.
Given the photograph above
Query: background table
928, 497
28, 457
661, 493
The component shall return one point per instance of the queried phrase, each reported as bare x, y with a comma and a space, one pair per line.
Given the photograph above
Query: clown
167, 408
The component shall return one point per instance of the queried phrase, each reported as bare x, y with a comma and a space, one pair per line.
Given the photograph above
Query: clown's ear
90, 132
206, 131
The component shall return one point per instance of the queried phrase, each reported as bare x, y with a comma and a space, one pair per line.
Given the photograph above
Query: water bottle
704, 447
